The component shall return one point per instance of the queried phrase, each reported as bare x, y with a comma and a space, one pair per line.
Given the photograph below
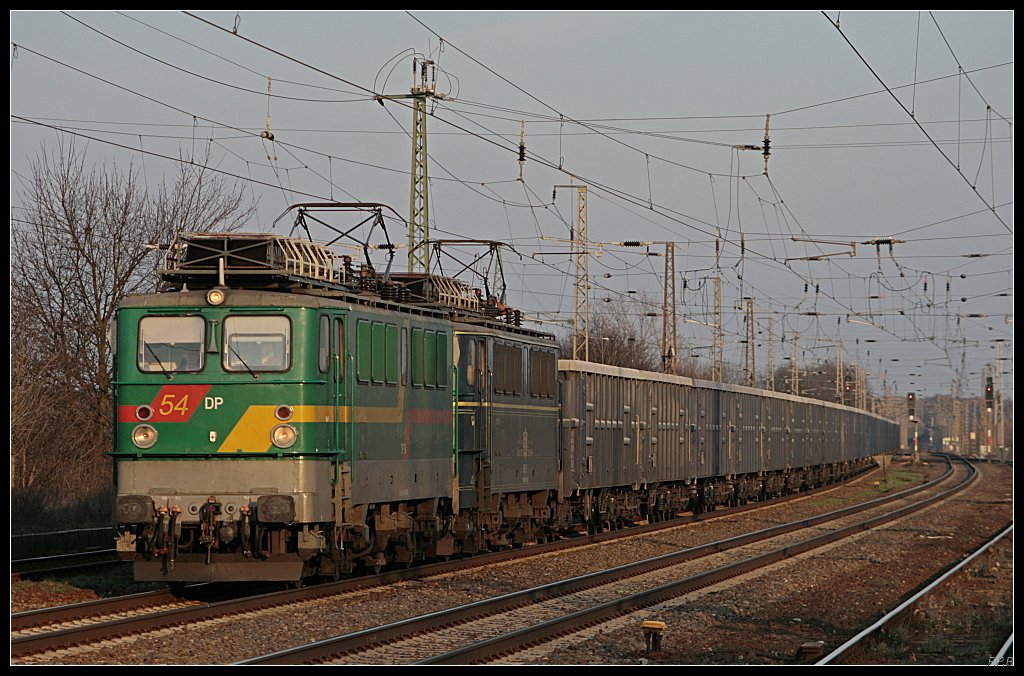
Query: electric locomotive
282, 413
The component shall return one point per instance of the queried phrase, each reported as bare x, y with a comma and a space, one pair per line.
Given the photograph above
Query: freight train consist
283, 413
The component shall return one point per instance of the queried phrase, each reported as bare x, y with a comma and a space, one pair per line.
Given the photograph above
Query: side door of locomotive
473, 387
473, 392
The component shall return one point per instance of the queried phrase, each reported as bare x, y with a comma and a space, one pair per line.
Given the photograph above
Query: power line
210, 79
964, 73
283, 55
166, 157
923, 130
888, 89
222, 58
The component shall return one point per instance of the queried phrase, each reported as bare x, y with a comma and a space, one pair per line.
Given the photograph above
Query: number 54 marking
168, 406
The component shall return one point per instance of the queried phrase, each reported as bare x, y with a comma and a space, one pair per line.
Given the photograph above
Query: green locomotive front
248, 419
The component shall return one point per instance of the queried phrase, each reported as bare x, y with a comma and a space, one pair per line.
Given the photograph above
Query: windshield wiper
158, 362
235, 352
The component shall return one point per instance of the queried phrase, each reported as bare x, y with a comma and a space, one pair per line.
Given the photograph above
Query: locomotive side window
442, 360
500, 369
429, 363
542, 374
339, 332
508, 369
471, 362
404, 355
377, 355
257, 343
364, 351
417, 357
325, 344
391, 354
482, 363
171, 344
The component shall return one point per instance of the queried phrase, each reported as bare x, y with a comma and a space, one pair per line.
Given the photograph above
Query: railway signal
910, 406
988, 394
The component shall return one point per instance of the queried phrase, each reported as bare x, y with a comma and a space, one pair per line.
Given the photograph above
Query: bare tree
621, 334
81, 242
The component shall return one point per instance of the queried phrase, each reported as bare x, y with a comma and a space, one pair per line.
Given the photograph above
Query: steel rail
899, 610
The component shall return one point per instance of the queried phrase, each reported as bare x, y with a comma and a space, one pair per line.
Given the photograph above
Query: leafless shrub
79, 244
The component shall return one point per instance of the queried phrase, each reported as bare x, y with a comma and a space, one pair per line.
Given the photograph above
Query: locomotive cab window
171, 344
257, 343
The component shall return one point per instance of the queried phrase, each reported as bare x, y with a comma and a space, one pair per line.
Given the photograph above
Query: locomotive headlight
275, 509
283, 436
133, 509
283, 412
144, 436
215, 296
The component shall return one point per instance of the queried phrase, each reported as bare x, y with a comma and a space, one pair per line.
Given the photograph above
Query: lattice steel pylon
669, 336
770, 384
840, 374
581, 305
749, 359
794, 382
419, 201
717, 337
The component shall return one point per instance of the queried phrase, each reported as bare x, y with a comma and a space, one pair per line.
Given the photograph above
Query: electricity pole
717, 339
581, 285
419, 204
795, 378
669, 340
749, 365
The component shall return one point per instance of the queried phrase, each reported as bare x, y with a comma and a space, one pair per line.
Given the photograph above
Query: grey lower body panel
231, 481
378, 481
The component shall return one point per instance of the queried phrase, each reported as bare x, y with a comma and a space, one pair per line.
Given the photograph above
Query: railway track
899, 622
479, 632
50, 621
62, 552
63, 564
104, 627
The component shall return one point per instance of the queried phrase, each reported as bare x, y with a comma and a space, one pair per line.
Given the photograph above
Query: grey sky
665, 96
